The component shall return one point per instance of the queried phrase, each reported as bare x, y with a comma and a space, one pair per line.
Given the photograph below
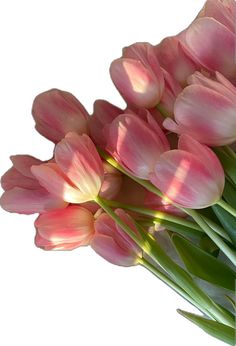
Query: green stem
155, 214
169, 282
230, 152
182, 278
226, 207
215, 237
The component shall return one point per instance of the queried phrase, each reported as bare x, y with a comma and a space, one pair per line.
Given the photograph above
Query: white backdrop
76, 298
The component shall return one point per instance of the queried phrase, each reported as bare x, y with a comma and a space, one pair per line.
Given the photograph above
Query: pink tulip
175, 59
206, 111
58, 112
224, 11
23, 193
135, 144
138, 76
212, 44
191, 176
103, 114
112, 243
77, 175
112, 182
64, 229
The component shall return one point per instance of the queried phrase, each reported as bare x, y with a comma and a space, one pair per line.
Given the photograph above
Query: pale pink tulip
112, 243
213, 45
103, 114
135, 144
58, 112
77, 175
224, 11
23, 193
138, 76
206, 110
191, 176
175, 59
64, 229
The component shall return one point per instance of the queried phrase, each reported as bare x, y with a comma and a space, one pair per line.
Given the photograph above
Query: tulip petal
204, 154
73, 224
13, 178
185, 180
79, 160
23, 164
57, 112
216, 50
50, 245
55, 182
22, 201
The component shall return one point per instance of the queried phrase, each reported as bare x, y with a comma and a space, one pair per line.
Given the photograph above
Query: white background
76, 298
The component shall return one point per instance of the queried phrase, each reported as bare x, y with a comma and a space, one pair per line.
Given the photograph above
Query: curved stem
230, 152
169, 282
227, 207
182, 277
217, 240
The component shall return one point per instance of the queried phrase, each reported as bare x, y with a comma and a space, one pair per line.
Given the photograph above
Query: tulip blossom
64, 229
103, 114
112, 243
77, 174
190, 176
175, 59
58, 112
162, 204
138, 76
212, 45
23, 193
206, 110
224, 11
136, 144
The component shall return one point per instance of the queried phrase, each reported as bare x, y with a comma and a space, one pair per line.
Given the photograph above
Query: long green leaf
227, 221
213, 328
201, 264
228, 163
229, 193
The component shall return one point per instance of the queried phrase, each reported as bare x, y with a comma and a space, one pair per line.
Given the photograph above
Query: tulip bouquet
153, 184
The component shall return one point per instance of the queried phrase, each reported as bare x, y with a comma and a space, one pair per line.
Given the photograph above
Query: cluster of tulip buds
122, 179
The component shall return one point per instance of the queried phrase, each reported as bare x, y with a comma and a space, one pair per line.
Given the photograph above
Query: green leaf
229, 193
232, 302
201, 264
227, 220
228, 163
213, 328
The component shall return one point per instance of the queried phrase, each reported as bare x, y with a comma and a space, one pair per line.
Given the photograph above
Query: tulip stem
169, 282
148, 244
230, 152
212, 234
226, 207
155, 214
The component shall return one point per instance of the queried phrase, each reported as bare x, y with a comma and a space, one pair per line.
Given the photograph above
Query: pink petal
204, 154
13, 178
206, 115
73, 224
50, 245
23, 164
185, 180
22, 201
136, 83
79, 160
107, 248
134, 144
214, 50
55, 182
57, 112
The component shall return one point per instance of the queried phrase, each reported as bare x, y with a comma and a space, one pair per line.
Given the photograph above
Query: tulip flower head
64, 229
138, 76
23, 193
190, 176
206, 110
58, 112
112, 243
77, 174
136, 144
